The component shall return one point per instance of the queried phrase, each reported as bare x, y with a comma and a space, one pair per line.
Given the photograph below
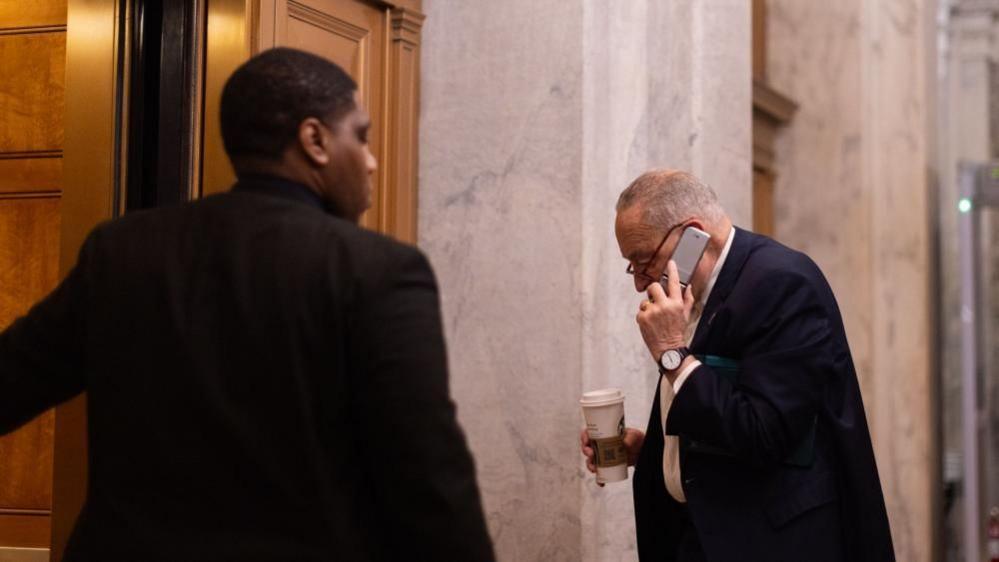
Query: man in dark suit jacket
775, 462
265, 379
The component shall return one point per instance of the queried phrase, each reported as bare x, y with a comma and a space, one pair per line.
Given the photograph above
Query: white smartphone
688, 253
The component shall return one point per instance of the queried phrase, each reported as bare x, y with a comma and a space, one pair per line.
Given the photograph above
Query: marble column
853, 193
535, 115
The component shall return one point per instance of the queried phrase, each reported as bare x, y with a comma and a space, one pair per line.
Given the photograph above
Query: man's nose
371, 162
641, 283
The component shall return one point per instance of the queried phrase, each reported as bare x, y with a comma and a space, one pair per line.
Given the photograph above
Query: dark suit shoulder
377, 260
774, 263
302, 231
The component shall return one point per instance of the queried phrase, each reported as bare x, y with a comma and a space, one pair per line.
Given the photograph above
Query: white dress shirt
667, 391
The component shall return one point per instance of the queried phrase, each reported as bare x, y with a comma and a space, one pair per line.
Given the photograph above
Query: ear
696, 223
314, 141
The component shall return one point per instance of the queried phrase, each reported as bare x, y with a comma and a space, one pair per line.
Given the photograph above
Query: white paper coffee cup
603, 411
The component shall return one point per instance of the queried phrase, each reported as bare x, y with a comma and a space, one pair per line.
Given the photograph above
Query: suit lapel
738, 253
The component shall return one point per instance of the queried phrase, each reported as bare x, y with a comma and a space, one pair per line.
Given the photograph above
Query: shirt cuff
683, 376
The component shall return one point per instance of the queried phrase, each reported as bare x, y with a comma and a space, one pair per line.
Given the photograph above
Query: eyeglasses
630, 270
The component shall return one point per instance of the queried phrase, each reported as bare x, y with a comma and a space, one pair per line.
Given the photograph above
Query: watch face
671, 360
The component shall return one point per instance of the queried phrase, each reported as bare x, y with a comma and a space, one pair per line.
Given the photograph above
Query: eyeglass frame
630, 269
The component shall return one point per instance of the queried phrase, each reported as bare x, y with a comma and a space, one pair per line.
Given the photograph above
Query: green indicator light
964, 205
994, 173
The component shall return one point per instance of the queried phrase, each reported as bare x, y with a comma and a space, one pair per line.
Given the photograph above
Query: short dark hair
268, 97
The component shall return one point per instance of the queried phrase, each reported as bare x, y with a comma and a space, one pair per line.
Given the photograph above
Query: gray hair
669, 197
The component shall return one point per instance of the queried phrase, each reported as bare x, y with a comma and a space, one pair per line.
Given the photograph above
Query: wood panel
24, 531
30, 172
31, 13
771, 111
29, 268
760, 39
31, 92
763, 203
401, 158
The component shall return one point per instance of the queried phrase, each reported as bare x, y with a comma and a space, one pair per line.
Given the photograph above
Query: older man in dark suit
757, 447
265, 379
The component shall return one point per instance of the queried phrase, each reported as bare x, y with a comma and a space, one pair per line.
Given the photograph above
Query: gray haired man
757, 446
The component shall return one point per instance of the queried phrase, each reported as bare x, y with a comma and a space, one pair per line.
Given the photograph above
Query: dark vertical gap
175, 135
120, 88
144, 98
160, 131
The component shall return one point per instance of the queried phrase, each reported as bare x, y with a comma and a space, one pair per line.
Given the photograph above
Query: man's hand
663, 318
633, 440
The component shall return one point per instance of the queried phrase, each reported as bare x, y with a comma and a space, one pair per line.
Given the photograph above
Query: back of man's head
268, 97
668, 197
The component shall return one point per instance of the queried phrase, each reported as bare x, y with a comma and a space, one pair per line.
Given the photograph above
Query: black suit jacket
264, 382
772, 310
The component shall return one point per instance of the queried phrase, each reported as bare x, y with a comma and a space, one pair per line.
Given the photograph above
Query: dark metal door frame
165, 93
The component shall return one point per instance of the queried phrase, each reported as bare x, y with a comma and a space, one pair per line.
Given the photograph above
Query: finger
591, 467
584, 438
656, 293
688, 298
673, 285
588, 453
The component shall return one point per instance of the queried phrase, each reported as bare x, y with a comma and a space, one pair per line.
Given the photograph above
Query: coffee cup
603, 411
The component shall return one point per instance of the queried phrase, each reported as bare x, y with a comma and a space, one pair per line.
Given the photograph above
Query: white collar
718, 267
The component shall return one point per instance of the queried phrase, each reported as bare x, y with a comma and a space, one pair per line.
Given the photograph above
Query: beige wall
853, 194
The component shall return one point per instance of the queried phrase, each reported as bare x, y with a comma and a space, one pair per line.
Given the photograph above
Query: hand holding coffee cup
603, 439
633, 441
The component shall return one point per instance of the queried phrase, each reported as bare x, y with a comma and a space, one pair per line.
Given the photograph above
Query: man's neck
280, 169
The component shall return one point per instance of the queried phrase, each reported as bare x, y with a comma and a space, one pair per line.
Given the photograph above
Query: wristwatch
671, 359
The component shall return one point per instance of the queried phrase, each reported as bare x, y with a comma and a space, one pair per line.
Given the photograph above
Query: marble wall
535, 115
853, 193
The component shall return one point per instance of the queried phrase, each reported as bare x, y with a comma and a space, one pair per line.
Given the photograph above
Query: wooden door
351, 34
376, 42
32, 86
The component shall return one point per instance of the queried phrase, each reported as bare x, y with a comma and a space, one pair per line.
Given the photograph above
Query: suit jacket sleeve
41, 353
787, 357
419, 463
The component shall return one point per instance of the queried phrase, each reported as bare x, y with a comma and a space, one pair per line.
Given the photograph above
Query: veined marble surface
535, 115
853, 194
500, 167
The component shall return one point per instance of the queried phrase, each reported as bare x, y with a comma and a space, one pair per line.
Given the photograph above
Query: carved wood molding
25, 30
325, 21
772, 103
31, 154
406, 26
400, 211
771, 111
410, 5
